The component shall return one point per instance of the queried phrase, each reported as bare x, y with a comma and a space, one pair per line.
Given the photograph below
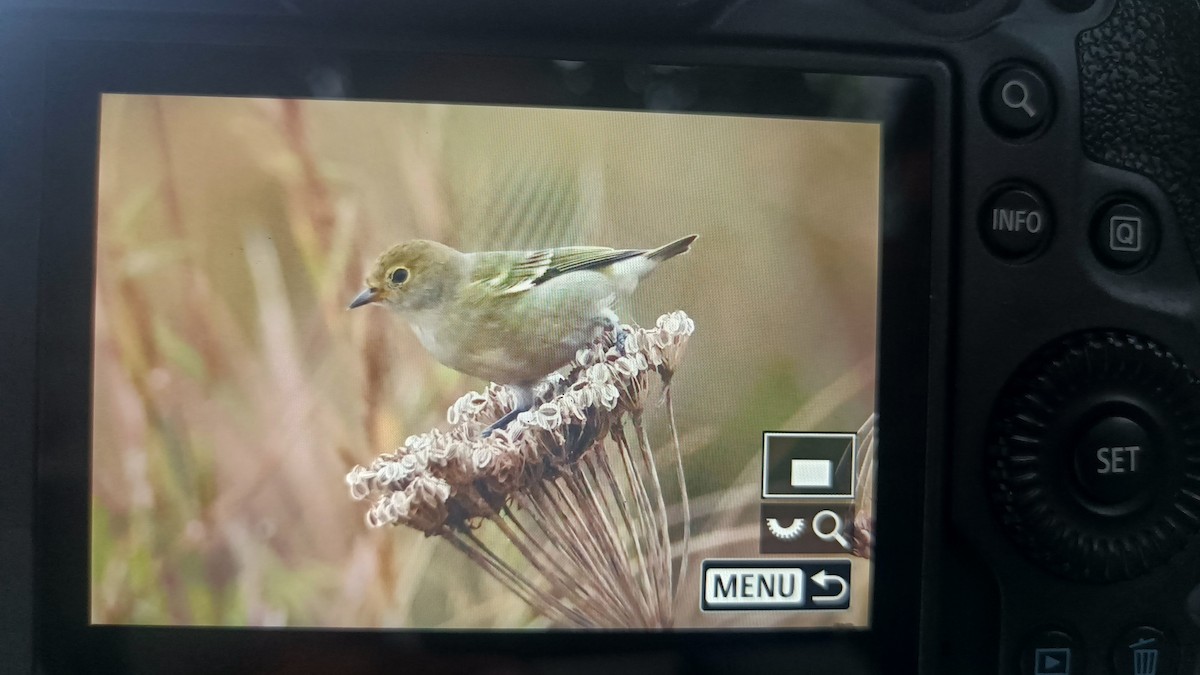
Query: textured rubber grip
1139, 76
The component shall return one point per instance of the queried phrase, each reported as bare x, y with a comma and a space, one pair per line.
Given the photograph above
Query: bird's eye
399, 275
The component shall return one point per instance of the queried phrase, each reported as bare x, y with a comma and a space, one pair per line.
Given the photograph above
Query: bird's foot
620, 337
502, 422
612, 323
524, 396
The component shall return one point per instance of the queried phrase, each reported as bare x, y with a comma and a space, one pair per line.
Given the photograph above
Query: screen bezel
913, 224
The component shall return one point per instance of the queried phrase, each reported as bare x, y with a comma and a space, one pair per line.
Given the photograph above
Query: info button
1015, 222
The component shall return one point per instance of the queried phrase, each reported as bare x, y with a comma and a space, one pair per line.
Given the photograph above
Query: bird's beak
365, 298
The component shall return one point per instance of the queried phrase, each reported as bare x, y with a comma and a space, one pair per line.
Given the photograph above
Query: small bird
511, 317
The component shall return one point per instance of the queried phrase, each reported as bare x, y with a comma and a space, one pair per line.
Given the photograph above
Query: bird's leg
503, 421
524, 402
612, 322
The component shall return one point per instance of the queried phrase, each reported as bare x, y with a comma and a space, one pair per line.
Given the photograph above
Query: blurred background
233, 391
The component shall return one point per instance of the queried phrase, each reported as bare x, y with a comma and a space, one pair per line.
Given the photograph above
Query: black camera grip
1139, 74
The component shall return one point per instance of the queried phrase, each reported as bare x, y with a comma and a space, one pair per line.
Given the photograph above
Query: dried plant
571, 485
864, 505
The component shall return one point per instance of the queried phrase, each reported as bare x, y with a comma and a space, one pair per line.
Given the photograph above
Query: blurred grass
233, 391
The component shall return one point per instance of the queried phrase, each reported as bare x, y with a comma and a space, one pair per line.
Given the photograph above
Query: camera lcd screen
686, 304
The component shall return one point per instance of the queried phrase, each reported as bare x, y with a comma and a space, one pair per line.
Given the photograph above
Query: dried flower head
563, 482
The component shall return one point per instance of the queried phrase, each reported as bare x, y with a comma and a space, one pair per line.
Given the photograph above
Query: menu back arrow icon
824, 579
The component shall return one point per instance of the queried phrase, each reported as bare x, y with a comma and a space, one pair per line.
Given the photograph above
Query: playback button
1050, 652
1015, 222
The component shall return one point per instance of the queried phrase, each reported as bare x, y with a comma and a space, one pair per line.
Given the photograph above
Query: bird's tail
672, 249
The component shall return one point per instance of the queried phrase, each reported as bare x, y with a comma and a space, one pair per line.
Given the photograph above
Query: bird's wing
507, 272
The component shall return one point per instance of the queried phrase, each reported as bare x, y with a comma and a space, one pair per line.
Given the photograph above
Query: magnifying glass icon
831, 534
1015, 95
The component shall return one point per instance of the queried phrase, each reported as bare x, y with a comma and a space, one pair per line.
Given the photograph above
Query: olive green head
411, 276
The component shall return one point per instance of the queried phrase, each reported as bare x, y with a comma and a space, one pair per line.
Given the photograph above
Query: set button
1115, 464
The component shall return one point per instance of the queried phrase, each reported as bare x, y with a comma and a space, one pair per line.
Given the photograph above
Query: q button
1017, 101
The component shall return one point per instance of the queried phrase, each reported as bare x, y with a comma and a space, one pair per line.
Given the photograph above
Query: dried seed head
439, 472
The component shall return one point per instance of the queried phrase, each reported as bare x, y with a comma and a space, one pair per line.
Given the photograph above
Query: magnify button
1015, 95
1017, 101
830, 533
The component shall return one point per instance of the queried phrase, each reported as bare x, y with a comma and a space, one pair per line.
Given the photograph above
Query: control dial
1094, 456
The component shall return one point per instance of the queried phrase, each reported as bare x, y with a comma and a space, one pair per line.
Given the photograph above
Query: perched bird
511, 317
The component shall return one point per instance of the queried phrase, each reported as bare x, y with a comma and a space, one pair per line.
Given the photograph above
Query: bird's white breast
426, 327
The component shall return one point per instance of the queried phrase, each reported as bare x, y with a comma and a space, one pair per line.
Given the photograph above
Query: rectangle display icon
747, 585
802, 465
812, 473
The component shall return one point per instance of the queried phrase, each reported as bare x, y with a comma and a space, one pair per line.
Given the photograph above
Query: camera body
1049, 521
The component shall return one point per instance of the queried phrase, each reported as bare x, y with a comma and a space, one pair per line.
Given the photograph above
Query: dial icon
786, 533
